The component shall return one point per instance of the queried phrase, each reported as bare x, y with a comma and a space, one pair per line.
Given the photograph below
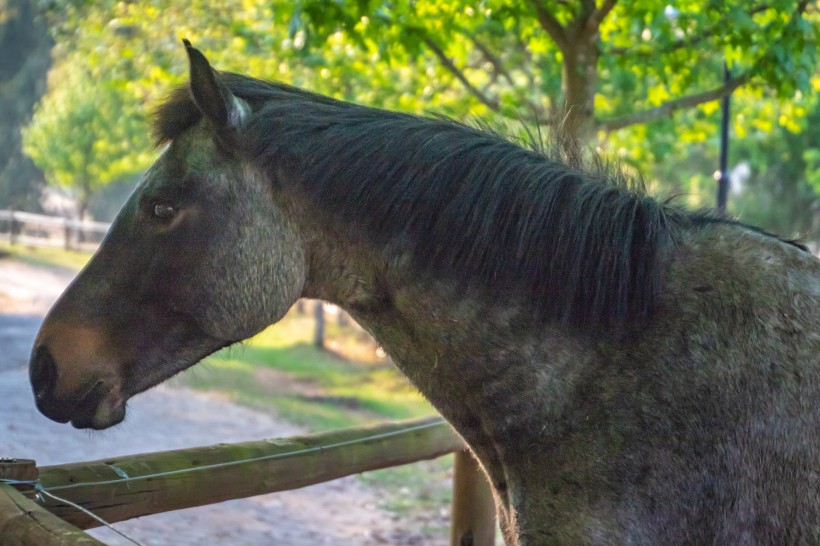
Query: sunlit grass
282, 370
46, 256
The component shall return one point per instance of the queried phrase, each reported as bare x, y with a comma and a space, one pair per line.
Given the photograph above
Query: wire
272, 456
41, 491
47, 491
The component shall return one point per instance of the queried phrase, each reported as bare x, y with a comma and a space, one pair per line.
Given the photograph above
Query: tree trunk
82, 206
579, 81
83, 202
319, 334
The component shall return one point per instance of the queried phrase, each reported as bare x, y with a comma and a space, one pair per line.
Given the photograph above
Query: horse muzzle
87, 396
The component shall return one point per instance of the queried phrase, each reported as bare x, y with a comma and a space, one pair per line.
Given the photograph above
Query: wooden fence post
319, 332
23, 522
18, 469
12, 229
473, 512
66, 234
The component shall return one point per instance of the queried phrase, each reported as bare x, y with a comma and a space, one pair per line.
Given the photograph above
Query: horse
625, 370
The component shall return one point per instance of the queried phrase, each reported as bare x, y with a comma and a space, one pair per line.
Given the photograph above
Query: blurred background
640, 82
662, 87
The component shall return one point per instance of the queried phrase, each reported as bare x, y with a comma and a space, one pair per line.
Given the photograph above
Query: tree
26, 48
593, 67
640, 78
83, 135
782, 190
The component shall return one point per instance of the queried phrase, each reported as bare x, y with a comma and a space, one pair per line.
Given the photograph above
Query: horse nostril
42, 372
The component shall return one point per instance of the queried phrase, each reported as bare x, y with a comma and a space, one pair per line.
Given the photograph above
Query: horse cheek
245, 289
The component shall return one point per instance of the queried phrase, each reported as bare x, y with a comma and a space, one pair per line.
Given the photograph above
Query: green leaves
495, 59
85, 134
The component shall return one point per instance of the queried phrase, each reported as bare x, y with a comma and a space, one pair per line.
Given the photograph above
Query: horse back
700, 426
736, 436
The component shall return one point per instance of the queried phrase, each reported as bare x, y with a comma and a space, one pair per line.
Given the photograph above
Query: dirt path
343, 512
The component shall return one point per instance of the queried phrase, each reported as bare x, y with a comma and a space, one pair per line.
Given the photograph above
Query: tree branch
598, 16
689, 41
491, 103
669, 107
522, 47
538, 112
551, 25
488, 55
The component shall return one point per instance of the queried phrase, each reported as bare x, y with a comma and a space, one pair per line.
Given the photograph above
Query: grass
315, 388
349, 383
282, 372
46, 256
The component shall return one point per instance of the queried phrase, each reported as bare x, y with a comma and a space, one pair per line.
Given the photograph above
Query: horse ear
213, 99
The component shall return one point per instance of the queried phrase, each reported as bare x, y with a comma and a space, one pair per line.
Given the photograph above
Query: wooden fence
26, 228
121, 488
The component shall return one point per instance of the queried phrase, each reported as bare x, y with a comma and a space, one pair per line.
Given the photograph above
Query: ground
343, 512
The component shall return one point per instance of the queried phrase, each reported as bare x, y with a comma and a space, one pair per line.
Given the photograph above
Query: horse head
199, 258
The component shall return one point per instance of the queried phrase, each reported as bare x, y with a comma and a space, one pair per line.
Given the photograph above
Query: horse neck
482, 364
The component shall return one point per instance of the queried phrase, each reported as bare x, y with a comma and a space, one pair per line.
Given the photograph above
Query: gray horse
627, 372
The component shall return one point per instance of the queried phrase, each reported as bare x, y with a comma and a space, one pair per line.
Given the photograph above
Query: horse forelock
178, 112
585, 246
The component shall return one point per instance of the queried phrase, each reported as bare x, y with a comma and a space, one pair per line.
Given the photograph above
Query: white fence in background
29, 229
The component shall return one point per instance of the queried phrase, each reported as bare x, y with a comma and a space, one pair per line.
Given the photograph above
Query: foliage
774, 168
782, 192
85, 134
618, 63
26, 48
641, 77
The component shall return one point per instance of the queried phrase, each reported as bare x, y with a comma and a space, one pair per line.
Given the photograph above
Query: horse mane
585, 245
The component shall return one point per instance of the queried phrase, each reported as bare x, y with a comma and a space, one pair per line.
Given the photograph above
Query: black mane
586, 247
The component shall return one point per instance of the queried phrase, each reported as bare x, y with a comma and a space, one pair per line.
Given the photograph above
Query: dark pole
319, 332
723, 179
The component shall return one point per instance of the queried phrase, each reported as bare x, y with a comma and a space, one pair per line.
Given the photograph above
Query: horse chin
106, 411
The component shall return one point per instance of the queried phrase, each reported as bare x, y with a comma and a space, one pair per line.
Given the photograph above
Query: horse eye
163, 211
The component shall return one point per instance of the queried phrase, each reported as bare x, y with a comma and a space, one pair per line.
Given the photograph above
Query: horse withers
627, 372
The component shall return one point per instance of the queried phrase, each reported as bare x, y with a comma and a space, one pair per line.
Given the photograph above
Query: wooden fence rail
23, 522
26, 228
122, 488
